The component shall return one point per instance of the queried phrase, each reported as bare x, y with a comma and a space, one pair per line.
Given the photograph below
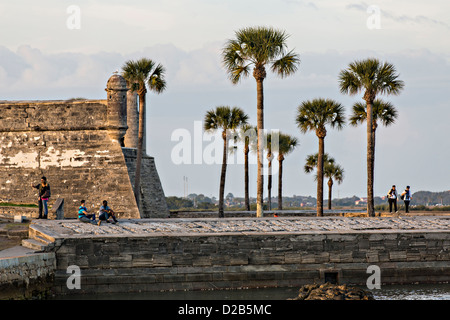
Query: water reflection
413, 292
387, 292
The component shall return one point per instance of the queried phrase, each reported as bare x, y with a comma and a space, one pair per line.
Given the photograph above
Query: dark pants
90, 218
407, 206
105, 216
392, 202
41, 208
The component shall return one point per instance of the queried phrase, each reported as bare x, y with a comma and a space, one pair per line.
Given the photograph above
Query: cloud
417, 19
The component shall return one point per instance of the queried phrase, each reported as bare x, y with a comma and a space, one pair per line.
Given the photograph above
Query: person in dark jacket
406, 196
44, 195
392, 198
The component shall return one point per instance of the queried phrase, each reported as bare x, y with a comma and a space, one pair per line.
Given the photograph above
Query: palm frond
286, 65
258, 46
142, 72
370, 76
381, 111
316, 114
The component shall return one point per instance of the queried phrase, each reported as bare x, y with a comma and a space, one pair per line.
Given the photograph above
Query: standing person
392, 198
406, 196
44, 195
105, 213
83, 214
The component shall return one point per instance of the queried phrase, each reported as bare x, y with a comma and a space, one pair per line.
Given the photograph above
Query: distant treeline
427, 198
421, 200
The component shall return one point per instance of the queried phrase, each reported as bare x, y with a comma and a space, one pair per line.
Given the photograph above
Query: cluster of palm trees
252, 51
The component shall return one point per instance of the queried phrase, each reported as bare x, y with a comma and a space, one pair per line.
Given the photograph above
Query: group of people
105, 213
392, 198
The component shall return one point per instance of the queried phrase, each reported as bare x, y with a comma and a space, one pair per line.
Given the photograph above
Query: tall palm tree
268, 147
225, 118
331, 171
287, 144
258, 47
141, 74
247, 134
382, 111
373, 78
314, 115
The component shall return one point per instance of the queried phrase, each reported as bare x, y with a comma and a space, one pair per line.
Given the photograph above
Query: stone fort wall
78, 146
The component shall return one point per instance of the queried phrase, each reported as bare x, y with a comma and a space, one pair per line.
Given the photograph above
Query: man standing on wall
44, 195
392, 199
406, 197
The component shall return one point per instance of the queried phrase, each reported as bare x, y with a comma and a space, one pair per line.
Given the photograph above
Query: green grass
9, 204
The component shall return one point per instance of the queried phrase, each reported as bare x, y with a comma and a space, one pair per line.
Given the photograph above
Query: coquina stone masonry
77, 145
188, 254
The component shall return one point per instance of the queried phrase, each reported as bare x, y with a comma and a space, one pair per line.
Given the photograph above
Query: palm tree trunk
223, 174
320, 177
280, 183
246, 178
330, 186
370, 161
269, 184
373, 156
137, 178
260, 147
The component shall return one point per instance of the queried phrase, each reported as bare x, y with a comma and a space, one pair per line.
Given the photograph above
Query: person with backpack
406, 197
392, 199
44, 195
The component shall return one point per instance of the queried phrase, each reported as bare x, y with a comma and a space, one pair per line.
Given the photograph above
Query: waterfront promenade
185, 226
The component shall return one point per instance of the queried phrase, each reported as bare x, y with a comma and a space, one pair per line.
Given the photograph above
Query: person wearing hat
392, 198
406, 196
44, 195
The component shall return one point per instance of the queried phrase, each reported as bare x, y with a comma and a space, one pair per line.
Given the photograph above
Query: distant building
361, 201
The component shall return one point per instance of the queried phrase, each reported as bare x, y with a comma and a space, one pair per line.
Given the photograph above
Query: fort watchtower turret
116, 89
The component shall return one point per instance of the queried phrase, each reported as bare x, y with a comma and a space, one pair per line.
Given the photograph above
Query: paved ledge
207, 226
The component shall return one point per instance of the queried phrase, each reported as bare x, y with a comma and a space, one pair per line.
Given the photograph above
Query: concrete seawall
191, 254
27, 276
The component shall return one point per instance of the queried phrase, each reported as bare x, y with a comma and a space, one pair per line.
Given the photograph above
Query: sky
53, 50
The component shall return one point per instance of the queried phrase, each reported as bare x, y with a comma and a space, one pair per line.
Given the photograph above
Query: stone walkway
247, 225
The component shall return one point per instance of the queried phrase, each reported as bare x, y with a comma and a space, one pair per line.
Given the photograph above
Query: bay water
387, 292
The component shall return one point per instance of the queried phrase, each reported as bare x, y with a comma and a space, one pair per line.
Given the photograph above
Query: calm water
397, 292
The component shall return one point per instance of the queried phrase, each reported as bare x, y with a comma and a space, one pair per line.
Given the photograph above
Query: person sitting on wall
83, 214
105, 213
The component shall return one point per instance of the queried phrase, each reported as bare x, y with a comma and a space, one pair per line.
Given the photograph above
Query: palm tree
314, 115
140, 74
259, 47
268, 147
247, 134
371, 77
334, 172
227, 119
383, 111
331, 171
287, 144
